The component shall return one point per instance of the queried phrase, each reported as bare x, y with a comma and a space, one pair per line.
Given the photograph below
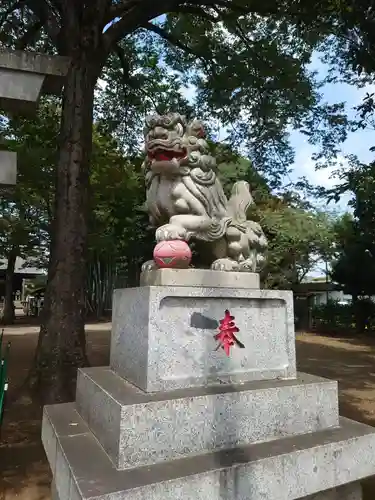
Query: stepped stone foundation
172, 418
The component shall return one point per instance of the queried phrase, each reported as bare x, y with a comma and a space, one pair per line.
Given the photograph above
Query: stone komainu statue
186, 201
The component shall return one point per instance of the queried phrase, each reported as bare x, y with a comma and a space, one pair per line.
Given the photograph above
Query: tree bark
62, 345
8, 316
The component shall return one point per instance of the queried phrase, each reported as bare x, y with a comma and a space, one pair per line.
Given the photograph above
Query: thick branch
30, 35
43, 12
124, 63
173, 40
124, 6
119, 9
102, 8
133, 16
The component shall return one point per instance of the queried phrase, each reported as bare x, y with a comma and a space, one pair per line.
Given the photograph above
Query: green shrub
336, 318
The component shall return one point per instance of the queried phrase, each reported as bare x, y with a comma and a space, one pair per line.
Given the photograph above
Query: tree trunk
8, 311
62, 344
356, 304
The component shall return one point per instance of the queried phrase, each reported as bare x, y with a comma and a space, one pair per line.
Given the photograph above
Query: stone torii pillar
24, 77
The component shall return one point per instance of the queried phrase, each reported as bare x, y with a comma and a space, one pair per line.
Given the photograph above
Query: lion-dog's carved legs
230, 253
183, 227
220, 253
240, 250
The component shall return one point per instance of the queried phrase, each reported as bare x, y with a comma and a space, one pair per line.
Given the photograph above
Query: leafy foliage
123, 100
348, 47
251, 76
117, 228
27, 208
299, 239
335, 318
354, 267
249, 62
350, 26
119, 238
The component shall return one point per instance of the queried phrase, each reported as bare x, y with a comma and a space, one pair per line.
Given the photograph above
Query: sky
357, 143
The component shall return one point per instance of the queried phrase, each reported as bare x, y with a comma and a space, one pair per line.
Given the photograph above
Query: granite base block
286, 469
136, 428
351, 491
163, 337
199, 278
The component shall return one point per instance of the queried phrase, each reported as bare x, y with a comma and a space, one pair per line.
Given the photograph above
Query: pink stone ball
172, 254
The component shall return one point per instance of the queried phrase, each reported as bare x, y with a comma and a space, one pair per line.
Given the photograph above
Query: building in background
24, 277
318, 292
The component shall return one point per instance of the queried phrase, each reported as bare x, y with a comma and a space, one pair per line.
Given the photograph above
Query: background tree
26, 209
299, 236
354, 269
17, 238
298, 240
119, 239
348, 51
355, 265
249, 62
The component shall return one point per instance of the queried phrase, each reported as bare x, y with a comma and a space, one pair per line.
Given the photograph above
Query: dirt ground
24, 471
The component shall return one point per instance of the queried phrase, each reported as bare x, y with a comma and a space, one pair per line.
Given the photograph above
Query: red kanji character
226, 336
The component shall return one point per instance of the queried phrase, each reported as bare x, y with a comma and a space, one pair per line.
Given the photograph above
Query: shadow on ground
24, 471
350, 361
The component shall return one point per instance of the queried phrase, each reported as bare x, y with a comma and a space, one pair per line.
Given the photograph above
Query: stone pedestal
173, 418
199, 278
163, 337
